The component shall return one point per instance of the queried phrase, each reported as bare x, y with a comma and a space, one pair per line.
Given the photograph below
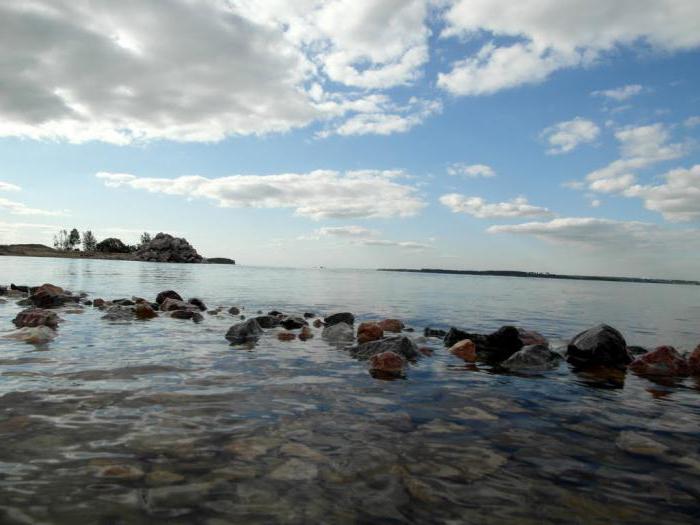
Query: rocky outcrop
600, 345
166, 248
664, 361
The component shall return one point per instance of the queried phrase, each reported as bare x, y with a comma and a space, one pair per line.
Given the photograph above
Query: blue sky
555, 136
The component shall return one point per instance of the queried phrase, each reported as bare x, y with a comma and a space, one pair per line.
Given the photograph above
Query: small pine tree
73, 239
89, 241
145, 238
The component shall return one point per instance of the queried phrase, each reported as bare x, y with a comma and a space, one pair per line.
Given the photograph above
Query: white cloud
692, 122
409, 245
7, 186
18, 208
557, 34
319, 194
565, 136
471, 170
640, 147
619, 94
478, 207
678, 199
345, 231
606, 234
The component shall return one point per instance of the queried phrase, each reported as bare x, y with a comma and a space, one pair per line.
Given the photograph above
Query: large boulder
244, 332
171, 304
166, 248
172, 294
533, 357
342, 317
48, 296
369, 331
33, 317
386, 364
600, 345
401, 345
664, 361
338, 333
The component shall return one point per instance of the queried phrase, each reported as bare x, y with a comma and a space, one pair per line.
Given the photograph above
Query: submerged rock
36, 317
600, 345
338, 333
144, 311
401, 345
172, 294
464, 349
533, 357
170, 304
32, 334
293, 323
369, 331
198, 303
305, 333
664, 361
234, 310
119, 313
267, 321
343, 317
318, 323
244, 332
639, 444
434, 332
99, 303
387, 363
286, 336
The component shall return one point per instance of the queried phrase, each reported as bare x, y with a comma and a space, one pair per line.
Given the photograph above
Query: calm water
163, 422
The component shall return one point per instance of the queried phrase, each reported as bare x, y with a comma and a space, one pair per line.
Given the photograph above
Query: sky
541, 135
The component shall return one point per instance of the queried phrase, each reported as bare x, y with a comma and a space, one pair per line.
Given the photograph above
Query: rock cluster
166, 248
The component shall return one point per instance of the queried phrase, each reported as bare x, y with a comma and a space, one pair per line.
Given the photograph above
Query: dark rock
243, 332
197, 317
99, 303
87, 303
318, 323
636, 350
497, 346
33, 317
234, 310
220, 260
293, 323
182, 314
267, 321
172, 294
47, 296
343, 317
434, 332
144, 311
305, 333
123, 302
24, 302
530, 337
166, 248
119, 313
3, 290
401, 345
173, 304
19, 288
309, 315
275, 313
533, 357
198, 303
600, 345
663, 361
286, 336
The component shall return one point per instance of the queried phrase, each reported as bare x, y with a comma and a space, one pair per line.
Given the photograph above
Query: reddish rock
47, 296
694, 361
426, 351
391, 325
664, 361
369, 331
318, 323
144, 311
36, 317
98, 303
530, 337
464, 349
171, 294
169, 304
305, 333
387, 362
286, 336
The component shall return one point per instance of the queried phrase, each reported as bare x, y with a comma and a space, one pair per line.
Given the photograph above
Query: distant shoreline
537, 275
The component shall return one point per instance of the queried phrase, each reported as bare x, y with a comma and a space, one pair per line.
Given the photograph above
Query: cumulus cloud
320, 194
478, 207
565, 136
640, 147
606, 234
7, 186
678, 199
619, 94
471, 170
692, 122
18, 208
555, 34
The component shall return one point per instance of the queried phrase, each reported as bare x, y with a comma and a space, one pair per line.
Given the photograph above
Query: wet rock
198, 303
275, 313
182, 314
47, 296
166, 248
170, 304
639, 444
600, 345
33, 317
636, 350
144, 311
309, 315
123, 302
455, 335
391, 325
664, 361
172, 294
243, 332
119, 313
299, 450
24, 302
286, 336
694, 361
163, 477
234, 310
343, 317
305, 333
99, 303
250, 448
177, 496
464, 349
369, 331
530, 337
387, 363
434, 332
37, 335
293, 323
337, 333
318, 323
533, 357
87, 303
268, 321
197, 317
295, 470
19, 288
124, 472
401, 345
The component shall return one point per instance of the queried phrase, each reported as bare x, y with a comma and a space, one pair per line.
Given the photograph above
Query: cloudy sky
548, 135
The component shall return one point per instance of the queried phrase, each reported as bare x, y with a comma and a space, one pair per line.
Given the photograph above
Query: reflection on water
163, 422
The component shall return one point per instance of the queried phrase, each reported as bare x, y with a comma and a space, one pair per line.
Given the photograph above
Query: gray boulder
533, 357
243, 332
338, 333
600, 345
400, 345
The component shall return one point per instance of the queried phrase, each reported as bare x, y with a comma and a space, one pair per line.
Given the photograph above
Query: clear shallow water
163, 421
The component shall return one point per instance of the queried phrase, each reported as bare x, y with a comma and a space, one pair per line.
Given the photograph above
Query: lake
163, 421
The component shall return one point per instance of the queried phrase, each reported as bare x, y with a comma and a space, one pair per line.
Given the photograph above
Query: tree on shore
73, 239
145, 238
112, 245
60, 240
89, 241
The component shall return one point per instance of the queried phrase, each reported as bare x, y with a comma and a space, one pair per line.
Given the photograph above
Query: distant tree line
71, 241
